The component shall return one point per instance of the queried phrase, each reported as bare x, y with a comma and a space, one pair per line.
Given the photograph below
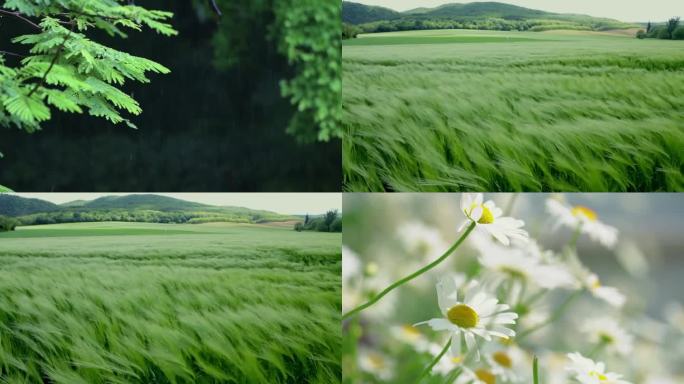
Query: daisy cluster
503, 302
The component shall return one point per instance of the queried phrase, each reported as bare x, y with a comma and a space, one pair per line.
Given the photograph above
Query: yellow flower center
485, 376
463, 316
584, 211
410, 331
599, 376
502, 359
487, 216
457, 359
376, 361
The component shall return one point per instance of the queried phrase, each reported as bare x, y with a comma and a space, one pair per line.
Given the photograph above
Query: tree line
671, 30
7, 224
330, 222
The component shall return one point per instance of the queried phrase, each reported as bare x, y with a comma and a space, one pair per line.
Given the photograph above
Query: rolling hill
481, 15
11, 205
155, 202
134, 208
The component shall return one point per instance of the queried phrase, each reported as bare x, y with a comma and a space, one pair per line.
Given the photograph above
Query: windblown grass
200, 304
571, 112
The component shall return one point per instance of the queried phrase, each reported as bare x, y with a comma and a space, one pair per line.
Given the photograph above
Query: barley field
169, 303
455, 110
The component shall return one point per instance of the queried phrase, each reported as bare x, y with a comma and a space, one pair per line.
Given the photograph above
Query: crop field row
573, 112
198, 304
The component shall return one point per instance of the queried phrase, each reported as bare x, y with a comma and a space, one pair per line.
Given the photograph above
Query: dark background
203, 128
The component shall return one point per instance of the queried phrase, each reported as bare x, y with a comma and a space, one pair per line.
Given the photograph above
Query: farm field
454, 110
169, 303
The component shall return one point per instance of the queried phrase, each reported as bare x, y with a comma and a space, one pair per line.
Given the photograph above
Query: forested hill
156, 202
11, 205
484, 15
134, 208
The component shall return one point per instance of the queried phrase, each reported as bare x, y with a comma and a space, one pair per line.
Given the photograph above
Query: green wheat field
169, 303
471, 110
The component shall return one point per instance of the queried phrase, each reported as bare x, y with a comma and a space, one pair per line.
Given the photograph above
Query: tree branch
19, 16
11, 54
216, 7
54, 60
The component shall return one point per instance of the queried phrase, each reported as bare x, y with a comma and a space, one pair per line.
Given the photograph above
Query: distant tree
649, 26
7, 224
336, 226
349, 31
330, 217
299, 227
641, 34
671, 26
306, 219
321, 226
678, 33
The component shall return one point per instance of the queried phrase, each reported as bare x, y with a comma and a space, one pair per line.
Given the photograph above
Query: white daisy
487, 216
607, 331
446, 363
478, 376
376, 363
610, 295
587, 371
585, 219
422, 240
412, 336
516, 263
508, 363
479, 314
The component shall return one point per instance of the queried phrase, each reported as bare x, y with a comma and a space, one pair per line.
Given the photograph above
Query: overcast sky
625, 10
287, 203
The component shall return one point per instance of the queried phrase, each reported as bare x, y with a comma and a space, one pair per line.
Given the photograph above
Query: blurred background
387, 236
217, 122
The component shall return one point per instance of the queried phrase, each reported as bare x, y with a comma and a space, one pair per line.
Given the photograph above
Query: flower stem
411, 276
555, 316
535, 370
434, 362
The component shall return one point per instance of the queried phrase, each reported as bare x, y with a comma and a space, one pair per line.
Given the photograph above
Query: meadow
455, 110
169, 303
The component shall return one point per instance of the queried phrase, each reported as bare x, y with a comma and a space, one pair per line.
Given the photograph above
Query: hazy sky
625, 10
287, 203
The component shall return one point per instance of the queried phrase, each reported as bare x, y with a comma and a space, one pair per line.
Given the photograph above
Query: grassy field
509, 111
165, 303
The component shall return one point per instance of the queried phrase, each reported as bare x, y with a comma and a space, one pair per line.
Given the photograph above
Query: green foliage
145, 303
573, 111
307, 33
349, 31
310, 40
63, 68
641, 34
670, 30
7, 224
329, 222
678, 34
672, 26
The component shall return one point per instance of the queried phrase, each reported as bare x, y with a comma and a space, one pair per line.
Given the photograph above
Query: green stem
434, 362
597, 349
535, 370
453, 375
557, 314
411, 276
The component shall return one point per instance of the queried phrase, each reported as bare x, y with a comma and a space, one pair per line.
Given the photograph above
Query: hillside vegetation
131, 208
484, 15
154, 303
